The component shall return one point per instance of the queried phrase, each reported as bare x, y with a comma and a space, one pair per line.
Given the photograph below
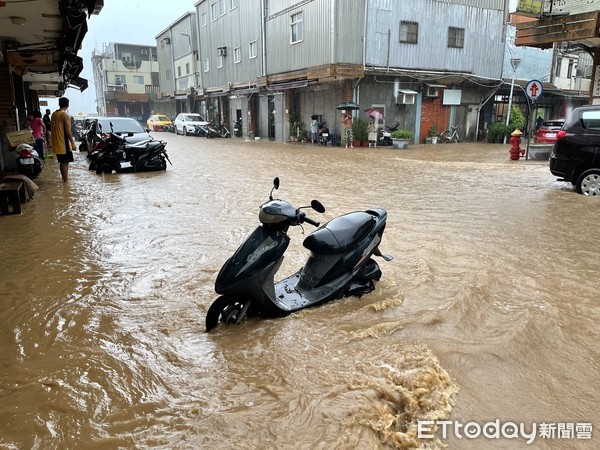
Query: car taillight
561, 134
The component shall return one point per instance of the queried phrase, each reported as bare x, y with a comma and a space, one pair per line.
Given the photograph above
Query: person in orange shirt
63, 143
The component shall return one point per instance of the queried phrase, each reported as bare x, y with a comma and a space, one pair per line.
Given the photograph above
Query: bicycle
449, 135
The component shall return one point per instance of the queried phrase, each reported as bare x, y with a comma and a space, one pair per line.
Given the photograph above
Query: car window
193, 118
162, 118
590, 120
122, 125
553, 124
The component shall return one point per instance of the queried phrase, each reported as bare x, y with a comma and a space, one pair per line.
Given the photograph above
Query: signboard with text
574, 6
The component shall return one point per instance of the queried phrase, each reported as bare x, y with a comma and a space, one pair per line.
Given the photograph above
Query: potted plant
401, 138
433, 133
360, 131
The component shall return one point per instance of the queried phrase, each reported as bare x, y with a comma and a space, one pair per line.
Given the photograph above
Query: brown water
488, 311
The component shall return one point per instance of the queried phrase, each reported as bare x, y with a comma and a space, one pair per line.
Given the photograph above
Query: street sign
534, 89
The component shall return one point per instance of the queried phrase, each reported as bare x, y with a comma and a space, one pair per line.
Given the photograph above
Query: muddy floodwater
488, 312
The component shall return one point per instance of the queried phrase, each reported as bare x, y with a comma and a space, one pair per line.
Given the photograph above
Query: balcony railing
116, 87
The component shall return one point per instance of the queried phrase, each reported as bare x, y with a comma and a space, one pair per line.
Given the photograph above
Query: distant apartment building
126, 80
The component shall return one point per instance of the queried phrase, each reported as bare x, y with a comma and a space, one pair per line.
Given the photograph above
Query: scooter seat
142, 147
340, 234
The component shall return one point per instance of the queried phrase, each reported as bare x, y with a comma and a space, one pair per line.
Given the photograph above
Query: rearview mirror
317, 206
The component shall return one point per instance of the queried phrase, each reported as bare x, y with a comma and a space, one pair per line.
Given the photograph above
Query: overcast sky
132, 22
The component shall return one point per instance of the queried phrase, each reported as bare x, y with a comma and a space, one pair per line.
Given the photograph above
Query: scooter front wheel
229, 310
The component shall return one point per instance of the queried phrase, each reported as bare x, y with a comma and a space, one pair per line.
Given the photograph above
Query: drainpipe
263, 26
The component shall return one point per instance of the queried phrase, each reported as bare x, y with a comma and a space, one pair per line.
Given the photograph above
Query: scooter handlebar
312, 222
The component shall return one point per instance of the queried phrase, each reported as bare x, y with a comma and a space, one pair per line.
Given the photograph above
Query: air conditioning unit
405, 97
222, 51
144, 52
433, 90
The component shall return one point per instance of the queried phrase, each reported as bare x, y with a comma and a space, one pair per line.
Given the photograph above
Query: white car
185, 123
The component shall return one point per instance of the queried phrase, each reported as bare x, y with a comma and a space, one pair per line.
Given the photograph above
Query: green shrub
433, 130
360, 129
496, 132
402, 134
517, 120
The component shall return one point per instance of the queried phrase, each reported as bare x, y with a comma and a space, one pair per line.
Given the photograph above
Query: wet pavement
488, 311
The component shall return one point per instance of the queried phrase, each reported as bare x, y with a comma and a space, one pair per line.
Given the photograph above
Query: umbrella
374, 113
347, 105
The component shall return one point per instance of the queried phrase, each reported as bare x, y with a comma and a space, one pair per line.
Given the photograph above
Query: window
409, 32
178, 71
119, 79
187, 68
138, 79
222, 7
252, 50
456, 37
214, 11
590, 120
570, 68
237, 55
220, 60
296, 27
234, 3
168, 74
205, 64
204, 20
558, 66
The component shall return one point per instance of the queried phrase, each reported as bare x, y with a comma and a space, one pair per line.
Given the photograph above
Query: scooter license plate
27, 161
325, 135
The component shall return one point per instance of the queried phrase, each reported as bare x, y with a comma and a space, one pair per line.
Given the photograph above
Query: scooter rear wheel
229, 310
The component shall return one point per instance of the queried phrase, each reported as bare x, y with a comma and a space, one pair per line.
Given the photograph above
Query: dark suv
576, 154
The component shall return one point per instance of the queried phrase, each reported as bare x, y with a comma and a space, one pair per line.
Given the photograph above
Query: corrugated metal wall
332, 33
235, 28
483, 40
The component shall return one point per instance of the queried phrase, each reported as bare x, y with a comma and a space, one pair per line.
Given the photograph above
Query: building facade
126, 80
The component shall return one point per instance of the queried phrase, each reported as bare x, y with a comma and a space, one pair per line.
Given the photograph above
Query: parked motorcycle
29, 162
385, 136
340, 263
237, 128
211, 131
116, 154
223, 131
323, 134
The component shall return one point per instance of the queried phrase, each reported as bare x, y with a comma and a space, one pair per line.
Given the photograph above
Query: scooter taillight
25, 154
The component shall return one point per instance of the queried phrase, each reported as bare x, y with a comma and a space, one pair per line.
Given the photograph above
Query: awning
436, 85
289, 85
407, 92
247, 91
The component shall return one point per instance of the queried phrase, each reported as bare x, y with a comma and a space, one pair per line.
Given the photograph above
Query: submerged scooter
339, 265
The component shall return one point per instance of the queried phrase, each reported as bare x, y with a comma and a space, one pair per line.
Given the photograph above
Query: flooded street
488, 311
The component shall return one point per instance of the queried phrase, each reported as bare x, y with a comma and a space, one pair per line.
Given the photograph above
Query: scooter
385, 136
28, 161
340, 263
323, 134
113, 152
237, 128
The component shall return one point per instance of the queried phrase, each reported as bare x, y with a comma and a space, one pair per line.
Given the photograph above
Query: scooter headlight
275, 211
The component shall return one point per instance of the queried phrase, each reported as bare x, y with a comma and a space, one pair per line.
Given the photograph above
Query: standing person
39, 133
48, 126
372, 132
314, 127
63, 143
347, 122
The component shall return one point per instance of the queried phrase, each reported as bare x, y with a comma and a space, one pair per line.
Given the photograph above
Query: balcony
116, 88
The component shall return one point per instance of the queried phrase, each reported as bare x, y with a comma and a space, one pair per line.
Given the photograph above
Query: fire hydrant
515, 141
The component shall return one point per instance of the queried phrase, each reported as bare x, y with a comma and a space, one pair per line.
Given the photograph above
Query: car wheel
185, 132
588, 182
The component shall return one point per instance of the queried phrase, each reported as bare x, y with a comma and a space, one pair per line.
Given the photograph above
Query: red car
546, 133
